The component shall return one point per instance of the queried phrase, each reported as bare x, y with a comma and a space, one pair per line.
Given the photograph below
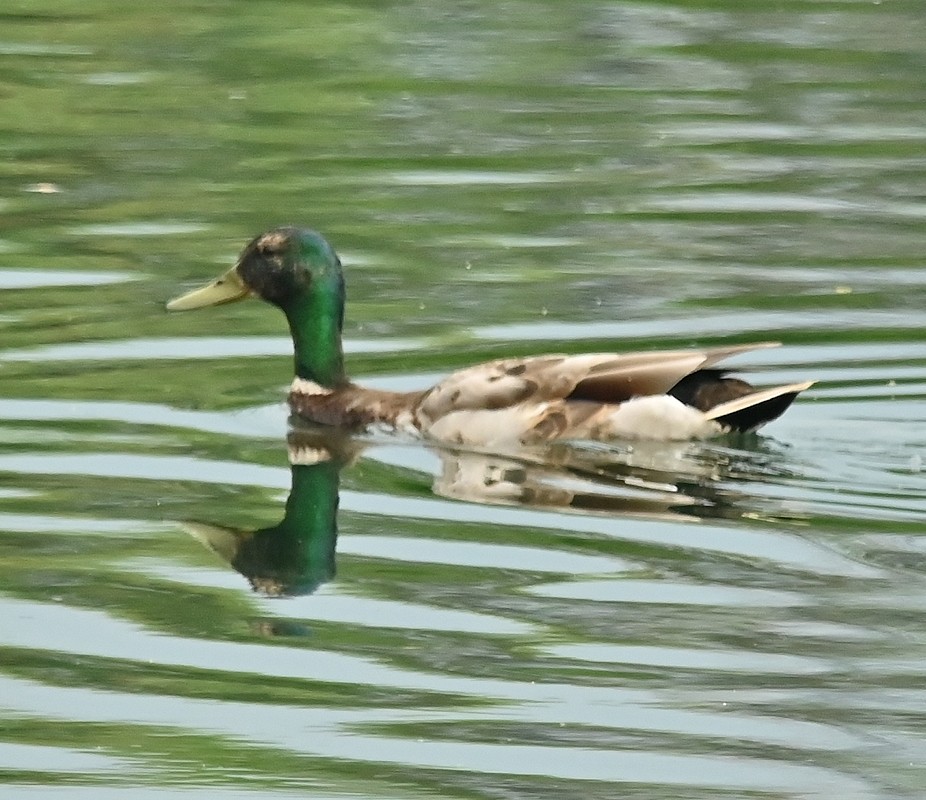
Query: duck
670, 395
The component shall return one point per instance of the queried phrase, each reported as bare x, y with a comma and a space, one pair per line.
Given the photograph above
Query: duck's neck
315, 324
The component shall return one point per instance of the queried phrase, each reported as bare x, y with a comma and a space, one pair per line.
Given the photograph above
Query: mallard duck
668, 395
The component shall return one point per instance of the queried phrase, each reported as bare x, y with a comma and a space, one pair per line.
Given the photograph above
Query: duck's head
297, 271
284, 266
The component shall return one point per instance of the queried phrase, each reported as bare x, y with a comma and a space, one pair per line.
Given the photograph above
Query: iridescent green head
280, 266
299, 272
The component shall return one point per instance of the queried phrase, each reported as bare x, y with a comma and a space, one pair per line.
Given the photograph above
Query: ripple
471, 178
259, 422
511, 242
149, 228
39, 523
117, 78
700, 325
482, 555
629, 590
43, 758
690, 658
32, 49
341, 734
34, 278
330, 606
161, 468
745, 130
198, 347
755, 202
137, 792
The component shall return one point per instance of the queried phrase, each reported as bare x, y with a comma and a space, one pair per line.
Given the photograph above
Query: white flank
303, 386
661, 418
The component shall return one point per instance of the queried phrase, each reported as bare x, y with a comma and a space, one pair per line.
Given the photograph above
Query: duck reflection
297, 555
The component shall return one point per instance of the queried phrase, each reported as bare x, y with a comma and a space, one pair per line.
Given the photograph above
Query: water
740, 618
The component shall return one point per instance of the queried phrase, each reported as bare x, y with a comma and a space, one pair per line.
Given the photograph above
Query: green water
742, 618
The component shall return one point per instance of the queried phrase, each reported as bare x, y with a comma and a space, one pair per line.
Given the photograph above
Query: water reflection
644, 481
296, 555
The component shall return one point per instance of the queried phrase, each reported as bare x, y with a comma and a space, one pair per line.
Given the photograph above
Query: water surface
191, 607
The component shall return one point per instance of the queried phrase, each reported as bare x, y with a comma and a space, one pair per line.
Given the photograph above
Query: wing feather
597, 377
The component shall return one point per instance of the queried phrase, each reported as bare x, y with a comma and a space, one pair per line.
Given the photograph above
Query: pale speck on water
186, 613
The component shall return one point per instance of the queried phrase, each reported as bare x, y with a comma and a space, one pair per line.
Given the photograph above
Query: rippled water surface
190, 607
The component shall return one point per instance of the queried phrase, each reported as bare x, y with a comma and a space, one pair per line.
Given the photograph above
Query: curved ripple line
16, 757
697, 325
192, 347
35, 278
771, 202
96, 791
256, 422
480, 555
690, 658
327, 605
330, 733
668, 592
60, 629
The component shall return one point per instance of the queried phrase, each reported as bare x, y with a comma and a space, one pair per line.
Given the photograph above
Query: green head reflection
297, 555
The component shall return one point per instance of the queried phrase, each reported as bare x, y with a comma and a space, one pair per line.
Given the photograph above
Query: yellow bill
226, 289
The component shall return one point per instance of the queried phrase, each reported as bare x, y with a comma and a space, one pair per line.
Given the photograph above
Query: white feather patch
486, 427
306, 387
660, 418
306, 456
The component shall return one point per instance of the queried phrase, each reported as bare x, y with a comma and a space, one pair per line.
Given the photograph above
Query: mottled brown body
547, 398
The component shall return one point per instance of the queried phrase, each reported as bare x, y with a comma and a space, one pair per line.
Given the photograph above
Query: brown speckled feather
352, 406
599, 377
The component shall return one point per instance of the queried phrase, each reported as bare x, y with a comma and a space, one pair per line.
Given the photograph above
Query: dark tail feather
753, 410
